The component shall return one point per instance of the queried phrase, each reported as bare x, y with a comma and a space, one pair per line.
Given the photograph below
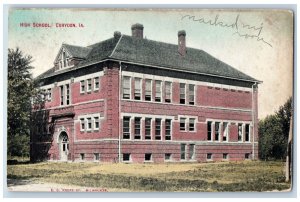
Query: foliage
273, 133
20, 90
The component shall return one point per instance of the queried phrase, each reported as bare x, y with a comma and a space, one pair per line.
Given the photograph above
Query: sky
256, 42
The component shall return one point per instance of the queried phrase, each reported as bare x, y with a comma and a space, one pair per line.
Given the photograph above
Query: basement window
182, 93
209, 156
168, 157
247, 156
225, 156
96, 156
126, 157
148, 91
137, 89
82, 156
148, 157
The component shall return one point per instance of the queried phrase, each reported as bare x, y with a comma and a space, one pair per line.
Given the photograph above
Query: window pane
240, 131
126, 87
137, 89
148, 128
217, 131
182, 93
191, 94
182, 124
157, 129
192, 124
168, 91
157, 91
126, 128
182, 151
148, 91
168, 129
137, 128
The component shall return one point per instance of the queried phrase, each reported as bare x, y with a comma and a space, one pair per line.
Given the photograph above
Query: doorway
63, 144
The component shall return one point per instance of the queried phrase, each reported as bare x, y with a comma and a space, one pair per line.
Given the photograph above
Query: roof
153, 53
77, 51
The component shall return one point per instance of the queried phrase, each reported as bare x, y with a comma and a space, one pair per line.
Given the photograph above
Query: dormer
69, 56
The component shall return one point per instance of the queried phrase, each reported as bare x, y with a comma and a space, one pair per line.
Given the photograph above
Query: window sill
96, 90
149, 161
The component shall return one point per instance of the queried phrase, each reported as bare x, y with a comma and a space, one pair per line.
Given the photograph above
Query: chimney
137, 30
181, 43
117, 35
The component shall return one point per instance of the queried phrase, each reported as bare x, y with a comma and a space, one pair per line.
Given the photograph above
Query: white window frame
130, 158
87, 82
171, 93
151, 85
87, 123
189, 122
82, 84
160, 90
168, 160
185, 100
82, 120
184, 118
95, 79
95, 157
151, 157
94, 119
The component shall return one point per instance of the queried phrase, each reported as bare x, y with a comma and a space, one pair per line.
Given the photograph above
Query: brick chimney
137, 30
181, 43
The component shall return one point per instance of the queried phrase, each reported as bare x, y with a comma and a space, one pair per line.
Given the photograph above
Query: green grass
224, 176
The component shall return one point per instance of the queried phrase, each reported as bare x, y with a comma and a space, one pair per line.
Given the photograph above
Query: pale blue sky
272, 65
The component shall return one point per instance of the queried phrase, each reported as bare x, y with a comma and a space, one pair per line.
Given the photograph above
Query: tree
20, 92
273, 133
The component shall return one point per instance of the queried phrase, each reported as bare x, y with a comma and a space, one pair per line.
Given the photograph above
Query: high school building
131, 99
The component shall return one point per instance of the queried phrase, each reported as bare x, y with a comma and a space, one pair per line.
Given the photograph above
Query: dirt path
35, 186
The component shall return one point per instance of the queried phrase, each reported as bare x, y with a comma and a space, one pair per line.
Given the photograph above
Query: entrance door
63, 142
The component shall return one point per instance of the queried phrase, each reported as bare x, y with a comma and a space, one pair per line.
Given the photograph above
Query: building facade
130, 99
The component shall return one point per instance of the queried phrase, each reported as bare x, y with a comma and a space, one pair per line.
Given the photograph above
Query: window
209, 130
82, 124
225, 131
168, 157
191, 124
89, 123
168, 91
182, 151
61, 95
148, 90
82, 156
182, 124
157, 91
148, 157
157, 129
225, 156
126, 87
64, 59
67, 94
137, 128
247, 132
191, 94
137, 89
217, 131
126, 128
182, 93
96, 83
89, 85
96, 123
126, 157
168, 123
49, 94
247, 156
209, 156
96, 157
82, 86
240, 132
148, 128
192, 151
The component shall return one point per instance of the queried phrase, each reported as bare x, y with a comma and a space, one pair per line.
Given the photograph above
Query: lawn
182, 177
